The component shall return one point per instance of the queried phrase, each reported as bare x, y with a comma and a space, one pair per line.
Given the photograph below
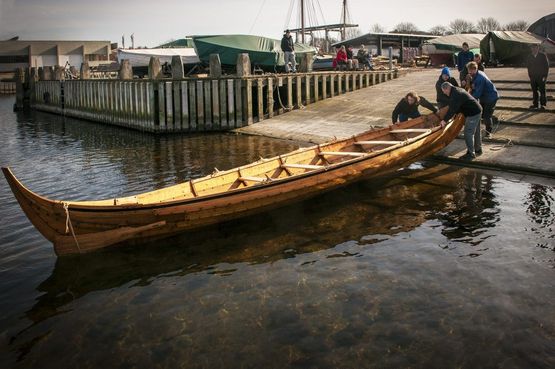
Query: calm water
433, 267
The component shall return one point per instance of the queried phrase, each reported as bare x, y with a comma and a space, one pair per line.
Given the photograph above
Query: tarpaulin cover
454, 42
511, 47
262, 51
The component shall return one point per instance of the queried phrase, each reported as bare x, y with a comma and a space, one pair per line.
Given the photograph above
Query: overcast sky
154, 22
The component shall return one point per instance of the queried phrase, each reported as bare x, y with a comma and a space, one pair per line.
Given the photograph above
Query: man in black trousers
538, 68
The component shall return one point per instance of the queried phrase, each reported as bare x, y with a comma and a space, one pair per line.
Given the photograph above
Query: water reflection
540, 208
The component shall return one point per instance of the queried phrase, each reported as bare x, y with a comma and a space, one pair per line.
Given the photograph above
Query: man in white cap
460, 101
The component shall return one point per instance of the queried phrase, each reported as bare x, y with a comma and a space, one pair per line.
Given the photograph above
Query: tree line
483, 25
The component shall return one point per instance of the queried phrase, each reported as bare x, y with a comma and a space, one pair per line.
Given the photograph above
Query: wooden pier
193, 104
7, 88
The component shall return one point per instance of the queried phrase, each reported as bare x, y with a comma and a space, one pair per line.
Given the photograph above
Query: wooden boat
83, 226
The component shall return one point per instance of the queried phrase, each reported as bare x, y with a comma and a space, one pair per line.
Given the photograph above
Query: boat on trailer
84, 226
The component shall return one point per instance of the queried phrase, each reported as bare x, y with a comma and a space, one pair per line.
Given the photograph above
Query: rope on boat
69, 225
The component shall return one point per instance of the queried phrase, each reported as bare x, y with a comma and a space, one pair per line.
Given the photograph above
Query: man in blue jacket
461, 101
485, 92
465, 56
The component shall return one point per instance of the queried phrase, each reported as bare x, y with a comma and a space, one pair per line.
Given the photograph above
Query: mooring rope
69, 226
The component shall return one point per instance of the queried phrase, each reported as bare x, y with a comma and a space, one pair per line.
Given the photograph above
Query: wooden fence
7, 87
195, 105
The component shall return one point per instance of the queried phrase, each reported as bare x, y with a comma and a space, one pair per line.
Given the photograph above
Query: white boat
141, 57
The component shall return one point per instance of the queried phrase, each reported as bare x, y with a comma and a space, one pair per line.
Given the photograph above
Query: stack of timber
83, 226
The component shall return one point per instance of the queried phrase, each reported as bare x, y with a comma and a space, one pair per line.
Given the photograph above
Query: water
432, 267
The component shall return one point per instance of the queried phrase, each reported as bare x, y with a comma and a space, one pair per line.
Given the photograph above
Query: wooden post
270, 100
177, 67
290, 93
161, 105
238, 103
33, 76
260, 98
200, 105
243, 65
184, 105
192, 106
169, 106
58, 73
154, 68
215, 104
299, 92
316, 81
207, 105
347, 82
307, 89
230, 104
332, 85
324, 87
248, 101
85, 72
215, 66
19, 90
178, 114
125, 70
223, 103
306, 63
48, 73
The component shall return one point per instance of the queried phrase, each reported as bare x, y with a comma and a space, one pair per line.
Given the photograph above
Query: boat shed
24, 54
381, 41
544, 27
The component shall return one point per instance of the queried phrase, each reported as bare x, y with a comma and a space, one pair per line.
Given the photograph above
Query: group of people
346, 60
475, 98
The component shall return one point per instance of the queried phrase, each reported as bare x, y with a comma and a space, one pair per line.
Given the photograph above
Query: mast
302, 21
343, 33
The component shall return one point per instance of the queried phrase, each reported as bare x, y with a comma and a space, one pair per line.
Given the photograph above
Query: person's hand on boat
442, 124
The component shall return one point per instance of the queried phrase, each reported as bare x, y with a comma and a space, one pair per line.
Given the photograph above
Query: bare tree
405, 27
484, 25
461, 26
377, 28
438, 30
353, 32
519, 25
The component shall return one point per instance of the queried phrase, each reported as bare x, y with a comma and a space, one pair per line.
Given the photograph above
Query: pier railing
7, 87
196, 104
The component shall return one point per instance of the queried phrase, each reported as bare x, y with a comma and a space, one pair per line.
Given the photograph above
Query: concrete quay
523, 141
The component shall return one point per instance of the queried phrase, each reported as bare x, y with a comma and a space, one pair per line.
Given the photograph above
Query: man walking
538, 69
485, 92
288, 48
460, 101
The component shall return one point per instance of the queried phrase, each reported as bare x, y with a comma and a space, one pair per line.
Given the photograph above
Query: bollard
154, 68
390, 51
32, 84
41, 74
306, 63
177, 67
58, 73
215, 66
74, 72
85, 72
243, 65
125, 70
48, 73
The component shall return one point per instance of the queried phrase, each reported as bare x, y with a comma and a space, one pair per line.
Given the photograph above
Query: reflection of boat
81, 226
442, 49
263, 51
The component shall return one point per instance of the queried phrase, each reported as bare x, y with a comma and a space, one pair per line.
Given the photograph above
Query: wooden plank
216, 123
299, 92
347, 82
223, 104
200, 106
302, 166
185, 105
270, 94
315, 81
253, 179
238, 103
169, 106
289, 93
324, 87
332, 85
376, 142
177, 113
409, 130
367, 79
307, 81
260, 99
207, 105
230, 104
161, 105
192, 106
341, 153
151, 101
248, 101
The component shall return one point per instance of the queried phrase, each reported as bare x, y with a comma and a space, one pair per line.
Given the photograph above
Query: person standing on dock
460, 101
288, 48
445, 76
538, 69
485, 92
465, 56
407, 108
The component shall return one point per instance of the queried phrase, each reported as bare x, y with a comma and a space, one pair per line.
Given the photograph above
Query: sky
155, 22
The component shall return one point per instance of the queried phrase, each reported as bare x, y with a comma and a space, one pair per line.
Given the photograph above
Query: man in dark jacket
538, 69
485, 92
408, 107
288, 48
465, 56
445, 76
460, 101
